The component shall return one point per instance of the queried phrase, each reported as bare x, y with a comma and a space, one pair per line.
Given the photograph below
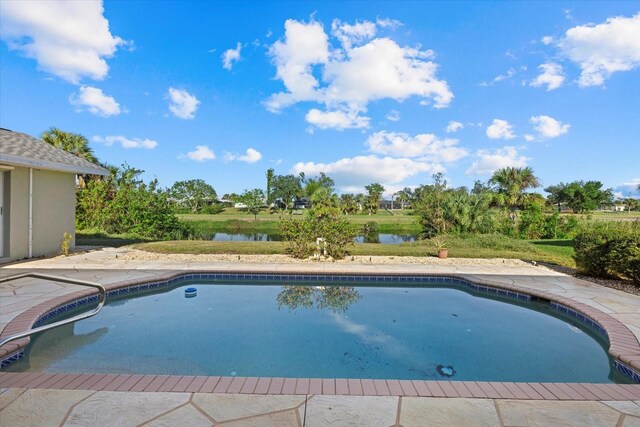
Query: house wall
18, 214
53, 212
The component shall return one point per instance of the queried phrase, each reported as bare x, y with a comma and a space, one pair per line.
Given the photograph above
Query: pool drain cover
446, 371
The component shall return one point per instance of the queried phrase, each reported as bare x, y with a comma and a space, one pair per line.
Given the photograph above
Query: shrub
535, 224
301, 235
121, 203
213, 209
609, 249
339, 235
625, 255
370, 227
298, 234
532, 222
560, 227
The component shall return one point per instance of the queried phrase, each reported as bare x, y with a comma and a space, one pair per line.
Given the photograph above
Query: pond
382, 238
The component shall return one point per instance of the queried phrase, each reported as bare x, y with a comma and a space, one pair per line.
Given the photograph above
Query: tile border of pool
624, 348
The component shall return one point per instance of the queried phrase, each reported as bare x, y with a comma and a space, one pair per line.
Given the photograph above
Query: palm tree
404, 197
348, 203
374, 196
70, 142
270, 174
511, 184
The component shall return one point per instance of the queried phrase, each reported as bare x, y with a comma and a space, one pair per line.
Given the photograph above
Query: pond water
382, 238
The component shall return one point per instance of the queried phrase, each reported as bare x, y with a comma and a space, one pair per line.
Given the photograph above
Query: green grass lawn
491, 246
608, 216
98, 238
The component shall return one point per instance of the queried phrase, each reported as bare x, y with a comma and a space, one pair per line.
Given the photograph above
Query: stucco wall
53, 211
18, 214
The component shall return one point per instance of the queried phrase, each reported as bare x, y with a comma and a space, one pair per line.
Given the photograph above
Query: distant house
619, 208
301, 203
37, 195
390, 204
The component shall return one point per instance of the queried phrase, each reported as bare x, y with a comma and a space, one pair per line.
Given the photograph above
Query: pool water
326, 331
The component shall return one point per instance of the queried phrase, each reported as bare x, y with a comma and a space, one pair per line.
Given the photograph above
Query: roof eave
53, 166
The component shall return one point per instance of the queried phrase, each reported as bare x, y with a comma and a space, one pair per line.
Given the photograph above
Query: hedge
609, 249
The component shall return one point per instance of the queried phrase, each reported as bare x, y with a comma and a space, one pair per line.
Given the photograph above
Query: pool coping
624, 347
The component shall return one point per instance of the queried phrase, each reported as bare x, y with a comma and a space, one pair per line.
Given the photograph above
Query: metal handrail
101, 289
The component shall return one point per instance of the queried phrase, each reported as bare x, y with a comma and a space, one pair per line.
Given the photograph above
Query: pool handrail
101, 302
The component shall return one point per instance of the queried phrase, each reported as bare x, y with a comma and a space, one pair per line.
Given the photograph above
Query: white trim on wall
30, 212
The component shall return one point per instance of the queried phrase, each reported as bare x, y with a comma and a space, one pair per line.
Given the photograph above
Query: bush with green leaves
560, 227
123, 203
453, 211
532, 223
609, 249
339, 234
323, 220
298, 234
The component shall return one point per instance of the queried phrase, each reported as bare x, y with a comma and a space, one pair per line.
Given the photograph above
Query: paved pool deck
114, 400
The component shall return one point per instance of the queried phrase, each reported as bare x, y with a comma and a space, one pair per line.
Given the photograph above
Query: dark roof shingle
20, 149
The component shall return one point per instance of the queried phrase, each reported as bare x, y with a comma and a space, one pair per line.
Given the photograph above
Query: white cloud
548, 127
230, 56
426, 146
125, 142
552, 76
363, 170
304, 45
200, 154
360, 71
69, 39
382, 69
487, 162
454, 126
393, 24
500, 77
500, 129
603, 49
629, 188
547, 40
353, 34
528, 137
182, 104
393, 115
94, 100
567, 14
251, 156
338, 120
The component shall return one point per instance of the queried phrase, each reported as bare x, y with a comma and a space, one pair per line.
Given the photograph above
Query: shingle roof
20, 149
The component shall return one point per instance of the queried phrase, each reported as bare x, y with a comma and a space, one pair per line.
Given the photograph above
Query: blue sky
387, 92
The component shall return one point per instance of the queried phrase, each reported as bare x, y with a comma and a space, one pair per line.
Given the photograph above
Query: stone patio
77, 400
39, 407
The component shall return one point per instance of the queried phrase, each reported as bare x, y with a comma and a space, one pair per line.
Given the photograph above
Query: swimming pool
347, 327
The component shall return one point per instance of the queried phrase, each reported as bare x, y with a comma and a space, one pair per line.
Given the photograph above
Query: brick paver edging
305, 386
624, 347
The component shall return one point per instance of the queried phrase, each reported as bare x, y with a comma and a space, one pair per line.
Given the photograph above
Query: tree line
122, 202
